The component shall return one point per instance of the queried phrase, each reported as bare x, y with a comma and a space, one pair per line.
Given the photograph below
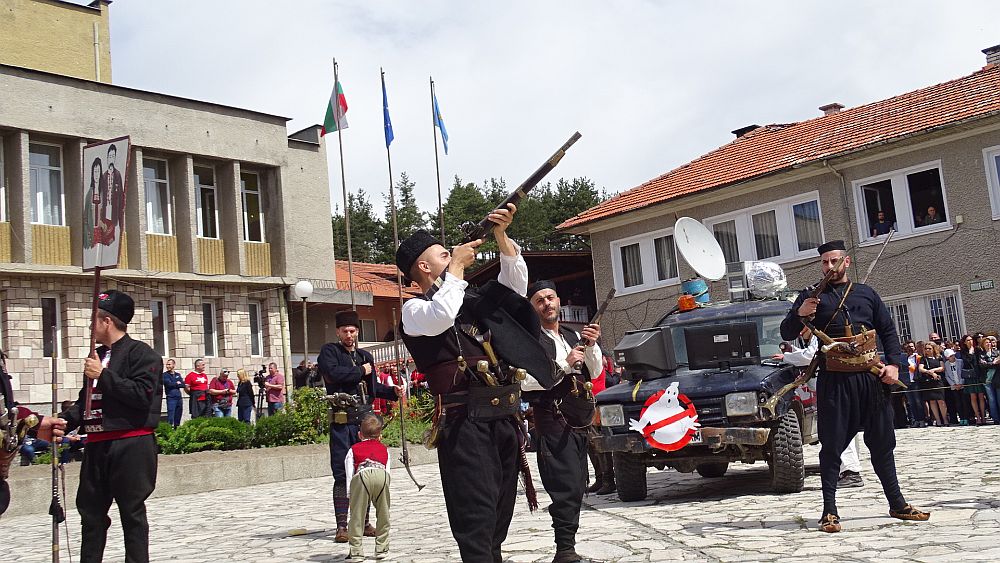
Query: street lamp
303, 290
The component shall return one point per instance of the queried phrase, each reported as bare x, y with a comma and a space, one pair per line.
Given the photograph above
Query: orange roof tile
778, 147
381, 278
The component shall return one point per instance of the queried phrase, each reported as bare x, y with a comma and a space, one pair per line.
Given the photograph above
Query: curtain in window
156, 208
765, 235
725, 233
807, 227
666, 258
631, 265
255, 344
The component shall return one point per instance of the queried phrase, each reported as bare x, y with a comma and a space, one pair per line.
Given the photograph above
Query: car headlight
741, 404
611, 415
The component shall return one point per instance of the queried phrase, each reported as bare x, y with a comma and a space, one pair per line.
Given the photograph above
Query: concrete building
777, 192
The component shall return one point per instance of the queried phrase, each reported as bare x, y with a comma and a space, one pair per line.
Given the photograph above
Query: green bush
309, 411
202, 434
164, 431
415, 429
280, 429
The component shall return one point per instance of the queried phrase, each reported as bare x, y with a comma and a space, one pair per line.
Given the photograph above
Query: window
208, 212
256, 331
645, 262
253, 218
917, 315
368, 333
911, 201
158, 202
45, 170
161, 343
211, 334
991, 158
788, 229
51, 326
3, 186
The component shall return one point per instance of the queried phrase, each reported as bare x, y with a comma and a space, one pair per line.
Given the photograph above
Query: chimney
744, 130
992, 55
830, 109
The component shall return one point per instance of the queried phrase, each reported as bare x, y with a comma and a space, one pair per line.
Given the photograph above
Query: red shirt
197, 382
226, 399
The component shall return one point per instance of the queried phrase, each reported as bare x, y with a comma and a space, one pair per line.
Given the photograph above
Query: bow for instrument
404, 456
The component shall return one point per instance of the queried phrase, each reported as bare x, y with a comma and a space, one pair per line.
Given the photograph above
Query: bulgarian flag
336, 111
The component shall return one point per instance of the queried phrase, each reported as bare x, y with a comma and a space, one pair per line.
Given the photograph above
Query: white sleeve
388, 461
514, 271
349, 466
592, 358
430, 318
802, 356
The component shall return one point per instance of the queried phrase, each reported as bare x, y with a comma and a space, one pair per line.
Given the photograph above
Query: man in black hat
473, 345
562, 415
119, 462
849, 397
351, 384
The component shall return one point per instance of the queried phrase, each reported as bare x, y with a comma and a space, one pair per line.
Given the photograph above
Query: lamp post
303, 290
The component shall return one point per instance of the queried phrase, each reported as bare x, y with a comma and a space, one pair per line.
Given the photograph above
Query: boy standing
367, 467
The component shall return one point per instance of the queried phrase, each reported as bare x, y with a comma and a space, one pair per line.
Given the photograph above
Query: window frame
251, 305
169, 206
59, 324
899, 187
374, 329
647, 259
214, 353
215, 195
784, 216
165, 315
912, 296
260, 207
990, 156
62, 182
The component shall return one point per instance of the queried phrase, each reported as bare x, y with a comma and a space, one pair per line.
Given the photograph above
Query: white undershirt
802, 356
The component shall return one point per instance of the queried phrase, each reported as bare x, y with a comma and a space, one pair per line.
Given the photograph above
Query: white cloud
650, 85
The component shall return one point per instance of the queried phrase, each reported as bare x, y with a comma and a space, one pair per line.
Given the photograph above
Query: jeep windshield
767, 315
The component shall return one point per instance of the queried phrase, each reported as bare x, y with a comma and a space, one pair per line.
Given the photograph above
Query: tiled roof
380, 277
774, 148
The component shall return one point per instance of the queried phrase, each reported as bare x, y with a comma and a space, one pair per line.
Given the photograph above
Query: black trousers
342, 437
848, 403
562, 464
479, 464
123, 471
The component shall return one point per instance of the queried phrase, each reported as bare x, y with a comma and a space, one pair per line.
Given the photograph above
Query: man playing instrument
472, 345
348, 373
562, 433
849, 397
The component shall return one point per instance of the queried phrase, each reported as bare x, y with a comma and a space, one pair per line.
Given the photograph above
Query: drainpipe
283, 314
97, 53
847, 210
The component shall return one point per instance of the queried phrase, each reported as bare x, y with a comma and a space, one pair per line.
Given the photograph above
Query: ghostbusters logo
668, 420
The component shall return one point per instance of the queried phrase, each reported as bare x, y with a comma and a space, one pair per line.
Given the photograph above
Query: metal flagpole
343, 185
437, 166
55, 507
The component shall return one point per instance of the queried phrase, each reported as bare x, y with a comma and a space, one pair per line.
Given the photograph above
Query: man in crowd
562, 433
470, 345
275, 384
173, 382
221, 391
849, 397
348, 373
881, 226
300, 375
196, 385
119, 462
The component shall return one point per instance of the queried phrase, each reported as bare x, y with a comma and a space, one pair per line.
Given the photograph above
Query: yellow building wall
57, 37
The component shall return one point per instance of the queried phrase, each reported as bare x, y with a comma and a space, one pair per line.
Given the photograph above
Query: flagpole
437, 166
343, 185
395, 230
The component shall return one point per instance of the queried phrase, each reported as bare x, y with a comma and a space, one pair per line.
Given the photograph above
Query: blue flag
439, 122
385, 115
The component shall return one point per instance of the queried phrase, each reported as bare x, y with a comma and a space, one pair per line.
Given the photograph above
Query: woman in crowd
989, 360
973, 378
244, 396
931, 383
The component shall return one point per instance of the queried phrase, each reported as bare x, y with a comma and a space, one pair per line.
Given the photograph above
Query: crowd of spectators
949, 382
210, 395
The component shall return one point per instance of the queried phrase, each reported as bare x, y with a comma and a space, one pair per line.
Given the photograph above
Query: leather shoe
606, 489
369, 530
849, 479
595, 487
341, 536
566, 556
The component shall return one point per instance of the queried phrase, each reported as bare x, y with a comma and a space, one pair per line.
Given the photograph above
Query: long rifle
56, 509
475, 231
405, 455
596, 319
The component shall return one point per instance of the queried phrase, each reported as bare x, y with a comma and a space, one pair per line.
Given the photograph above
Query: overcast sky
650, 85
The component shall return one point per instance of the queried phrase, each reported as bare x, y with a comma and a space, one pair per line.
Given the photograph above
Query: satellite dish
699, 248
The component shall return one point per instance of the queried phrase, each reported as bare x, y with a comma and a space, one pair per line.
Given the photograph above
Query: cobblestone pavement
953, 472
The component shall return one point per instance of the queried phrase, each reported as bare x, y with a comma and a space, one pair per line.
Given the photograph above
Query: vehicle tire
630, 476
712, 470
788, 470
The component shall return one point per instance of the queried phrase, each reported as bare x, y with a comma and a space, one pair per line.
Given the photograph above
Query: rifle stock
485, 227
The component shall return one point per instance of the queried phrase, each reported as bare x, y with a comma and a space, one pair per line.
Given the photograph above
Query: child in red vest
367, 467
